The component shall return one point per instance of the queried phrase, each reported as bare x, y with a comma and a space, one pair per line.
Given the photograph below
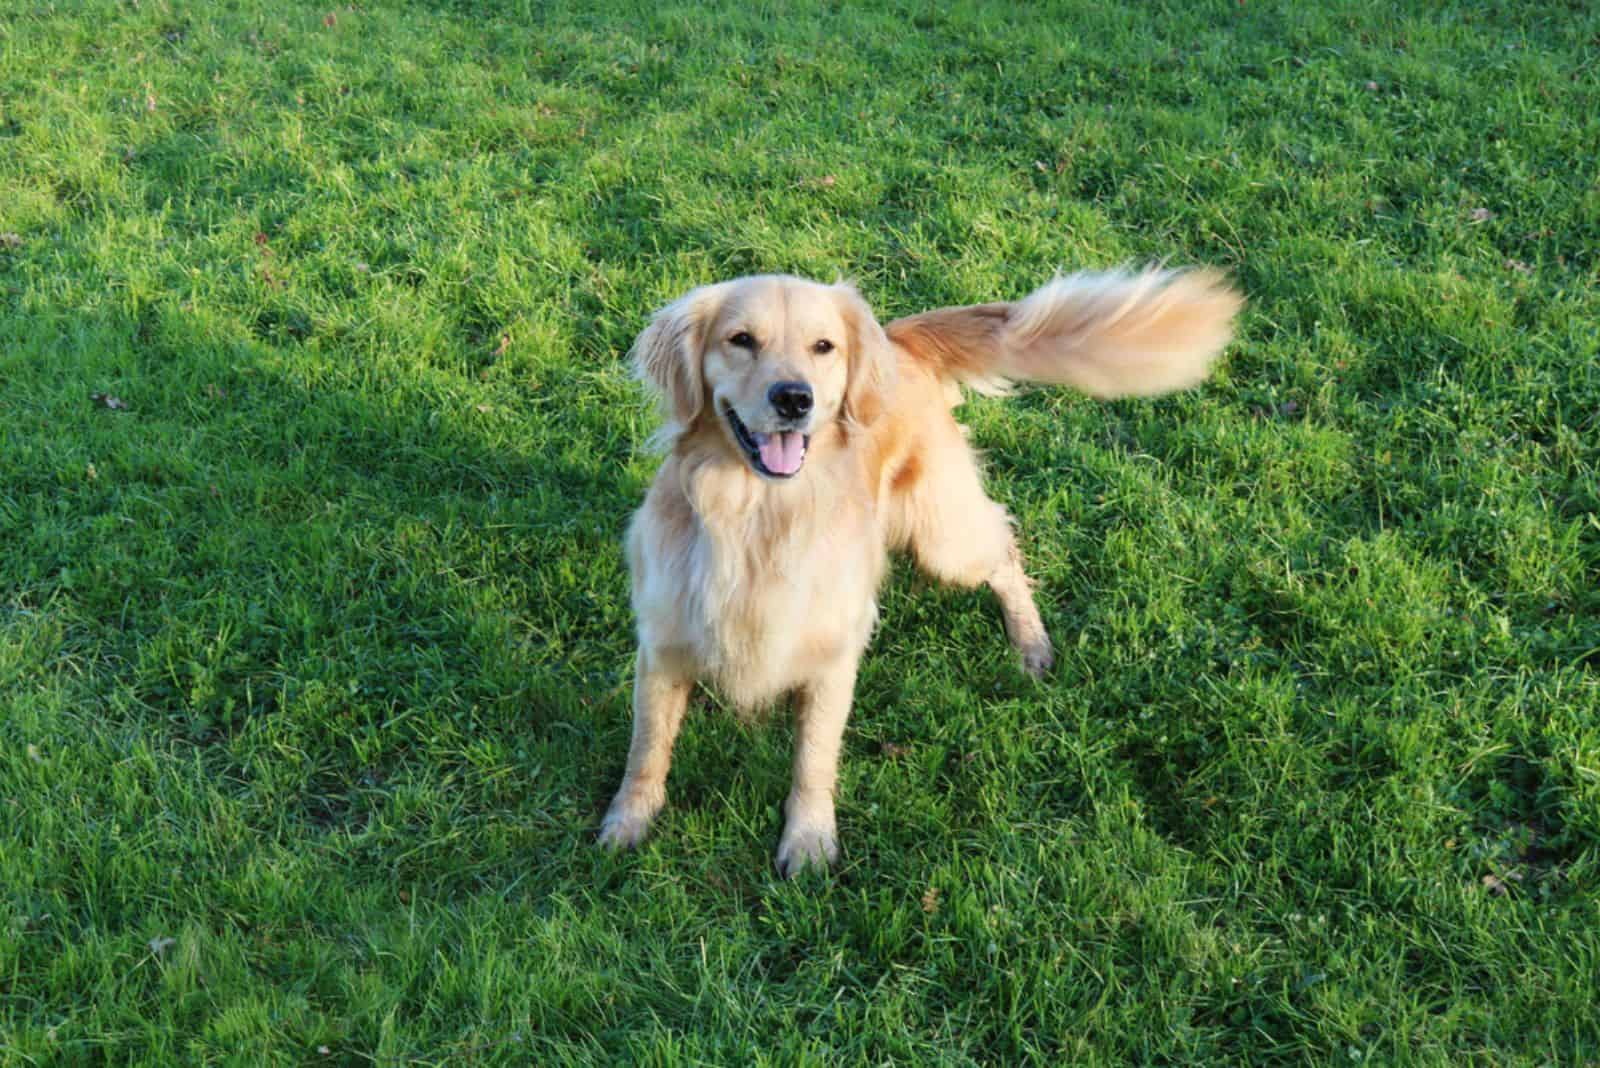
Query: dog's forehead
775, 306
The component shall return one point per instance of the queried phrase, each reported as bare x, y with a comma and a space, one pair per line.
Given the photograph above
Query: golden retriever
804, 441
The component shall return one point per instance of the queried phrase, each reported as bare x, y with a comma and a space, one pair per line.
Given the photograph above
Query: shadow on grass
363, 610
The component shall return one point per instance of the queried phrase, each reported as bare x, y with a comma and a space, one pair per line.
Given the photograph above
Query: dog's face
774, 366
771, 359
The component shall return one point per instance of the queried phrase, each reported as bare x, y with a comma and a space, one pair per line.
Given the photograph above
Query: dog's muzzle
778, 454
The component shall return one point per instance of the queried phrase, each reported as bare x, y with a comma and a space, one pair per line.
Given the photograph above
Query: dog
803, 442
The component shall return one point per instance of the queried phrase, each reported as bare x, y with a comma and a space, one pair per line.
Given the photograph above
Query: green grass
314, 659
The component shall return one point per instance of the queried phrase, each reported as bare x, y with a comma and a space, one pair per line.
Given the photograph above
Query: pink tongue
782, 453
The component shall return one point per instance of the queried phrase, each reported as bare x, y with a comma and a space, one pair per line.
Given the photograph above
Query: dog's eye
822, 347
743, 340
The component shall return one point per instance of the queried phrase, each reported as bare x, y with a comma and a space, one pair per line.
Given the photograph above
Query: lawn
317, 442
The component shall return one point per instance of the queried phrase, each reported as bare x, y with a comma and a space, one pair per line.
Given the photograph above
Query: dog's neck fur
752, 518
753, 531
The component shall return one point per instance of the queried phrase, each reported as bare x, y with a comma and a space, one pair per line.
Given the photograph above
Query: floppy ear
872, 359
668, 355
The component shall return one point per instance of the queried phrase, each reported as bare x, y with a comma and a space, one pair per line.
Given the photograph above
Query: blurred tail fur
1109, 334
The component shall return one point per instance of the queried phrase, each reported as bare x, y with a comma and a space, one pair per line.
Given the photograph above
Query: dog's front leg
659, 699
821, 708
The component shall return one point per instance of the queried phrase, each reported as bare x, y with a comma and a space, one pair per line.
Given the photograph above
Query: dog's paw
620, 831
628, 821
1038, 658
807, 844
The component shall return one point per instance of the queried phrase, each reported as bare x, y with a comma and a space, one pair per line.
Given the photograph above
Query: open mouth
776, 455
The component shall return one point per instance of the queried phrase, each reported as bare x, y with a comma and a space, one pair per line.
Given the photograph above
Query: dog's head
771, 359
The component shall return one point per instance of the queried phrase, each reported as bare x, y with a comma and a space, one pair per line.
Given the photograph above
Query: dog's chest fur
754, 587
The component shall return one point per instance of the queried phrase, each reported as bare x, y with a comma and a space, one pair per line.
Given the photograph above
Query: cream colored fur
764, 587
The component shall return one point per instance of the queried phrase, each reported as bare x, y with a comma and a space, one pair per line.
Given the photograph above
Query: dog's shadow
413, 580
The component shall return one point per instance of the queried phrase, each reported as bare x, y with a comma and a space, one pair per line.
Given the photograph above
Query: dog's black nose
791, 399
